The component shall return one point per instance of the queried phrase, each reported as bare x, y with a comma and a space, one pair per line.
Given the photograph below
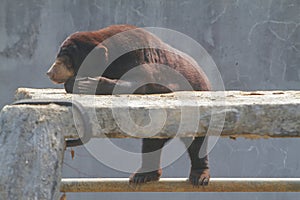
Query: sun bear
118, 50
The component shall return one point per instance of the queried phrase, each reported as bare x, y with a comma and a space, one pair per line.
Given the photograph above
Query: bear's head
61, 70
72, 54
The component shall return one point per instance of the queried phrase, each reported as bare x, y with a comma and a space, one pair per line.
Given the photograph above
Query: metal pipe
181, 185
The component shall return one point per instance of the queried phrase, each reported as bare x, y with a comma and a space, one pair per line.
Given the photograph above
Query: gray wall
255, 44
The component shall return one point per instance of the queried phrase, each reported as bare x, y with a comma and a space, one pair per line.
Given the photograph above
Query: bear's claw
199, 177
144, 177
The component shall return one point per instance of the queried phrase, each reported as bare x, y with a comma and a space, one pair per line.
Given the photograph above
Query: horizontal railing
181, 185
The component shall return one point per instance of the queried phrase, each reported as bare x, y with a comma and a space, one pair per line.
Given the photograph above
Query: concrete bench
32, 136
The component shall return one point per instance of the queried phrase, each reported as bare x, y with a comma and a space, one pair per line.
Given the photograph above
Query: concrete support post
31, 149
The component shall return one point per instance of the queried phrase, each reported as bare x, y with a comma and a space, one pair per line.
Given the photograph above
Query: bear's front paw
144, 177
86, 85
199, 177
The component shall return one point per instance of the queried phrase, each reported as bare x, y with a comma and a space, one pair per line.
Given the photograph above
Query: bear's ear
94, 63
102, 50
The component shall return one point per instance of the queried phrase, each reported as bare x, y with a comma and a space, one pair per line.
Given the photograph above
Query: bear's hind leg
150, 169
199, 174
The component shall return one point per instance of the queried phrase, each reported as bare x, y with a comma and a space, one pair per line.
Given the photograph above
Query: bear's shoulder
98, 36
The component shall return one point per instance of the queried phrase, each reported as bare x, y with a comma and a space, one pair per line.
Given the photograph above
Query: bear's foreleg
98, 85
150, 169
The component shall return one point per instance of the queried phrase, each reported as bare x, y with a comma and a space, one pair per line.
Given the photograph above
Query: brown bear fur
109, 66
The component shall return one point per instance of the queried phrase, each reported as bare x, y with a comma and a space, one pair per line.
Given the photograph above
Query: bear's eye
73, 47
69, 66
68, 62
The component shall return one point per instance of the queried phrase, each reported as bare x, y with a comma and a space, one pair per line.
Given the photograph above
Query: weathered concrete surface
31, 149
247, 114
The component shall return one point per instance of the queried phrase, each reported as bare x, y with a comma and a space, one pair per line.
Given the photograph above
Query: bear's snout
59, 72
50, 74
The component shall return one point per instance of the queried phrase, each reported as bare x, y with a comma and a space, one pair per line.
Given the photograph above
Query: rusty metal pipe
181, 185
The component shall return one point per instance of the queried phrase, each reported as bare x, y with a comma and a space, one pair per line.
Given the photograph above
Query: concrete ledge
182, 185
180, 114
